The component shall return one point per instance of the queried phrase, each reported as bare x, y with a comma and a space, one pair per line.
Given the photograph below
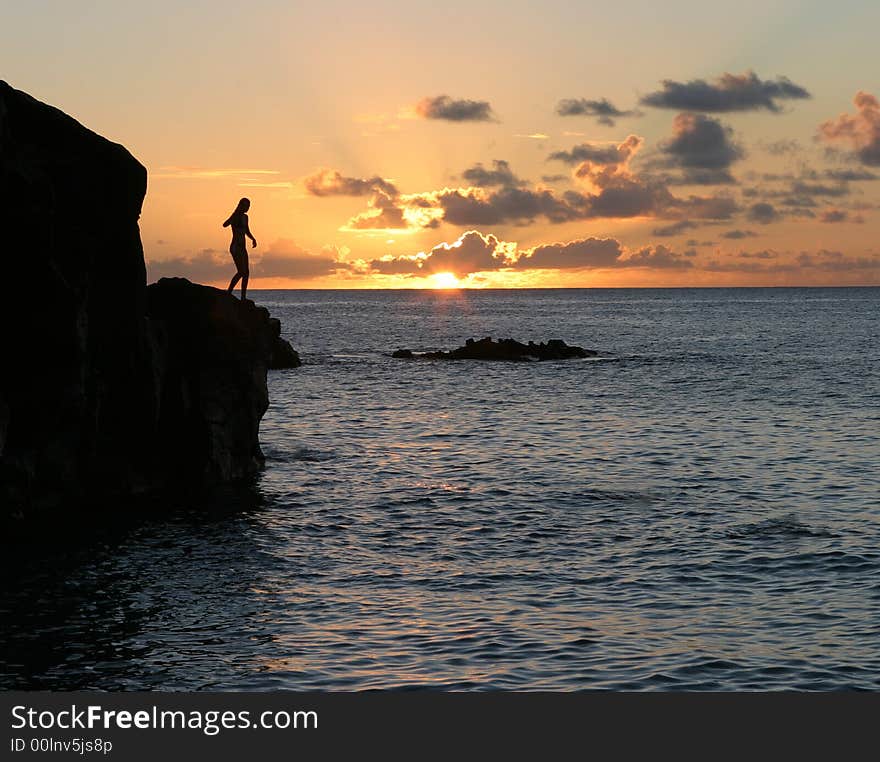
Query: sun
444, 280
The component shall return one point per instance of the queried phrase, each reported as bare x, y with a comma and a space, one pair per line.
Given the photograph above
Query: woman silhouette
238, 248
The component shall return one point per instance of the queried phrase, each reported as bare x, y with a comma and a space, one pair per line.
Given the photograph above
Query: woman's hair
243, 205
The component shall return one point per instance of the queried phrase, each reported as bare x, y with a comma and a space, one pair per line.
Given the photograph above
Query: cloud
730, 92
588, 253
202, 267
476, 252
739, 234
282, 259
836, 261
703, 148
472, 252
763, 213
475, 206
609, 190
676, 228
850, 175
285, 259
600, 153
765, 254
803, 191
605, 112
782, 147
769, 261
500, 174
329, 182
659, 258
386, 212
861, 131
840, 215
806, 189
454, 109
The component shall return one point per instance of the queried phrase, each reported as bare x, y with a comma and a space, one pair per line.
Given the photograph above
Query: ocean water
697, 508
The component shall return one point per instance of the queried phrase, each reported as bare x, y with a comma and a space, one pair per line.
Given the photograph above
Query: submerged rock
504, 349
101, 397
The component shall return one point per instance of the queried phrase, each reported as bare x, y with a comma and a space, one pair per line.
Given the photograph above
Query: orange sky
483, 144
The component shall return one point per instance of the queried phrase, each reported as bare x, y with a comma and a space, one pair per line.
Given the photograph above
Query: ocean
697, 508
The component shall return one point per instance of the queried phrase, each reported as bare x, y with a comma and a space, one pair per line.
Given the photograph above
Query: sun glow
444, 280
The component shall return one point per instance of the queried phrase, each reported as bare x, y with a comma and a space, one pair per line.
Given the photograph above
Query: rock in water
504, 349
91, 385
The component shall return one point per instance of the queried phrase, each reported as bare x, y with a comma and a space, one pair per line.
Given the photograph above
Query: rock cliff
106, 387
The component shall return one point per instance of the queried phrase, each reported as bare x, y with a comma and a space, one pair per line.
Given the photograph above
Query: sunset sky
482, 143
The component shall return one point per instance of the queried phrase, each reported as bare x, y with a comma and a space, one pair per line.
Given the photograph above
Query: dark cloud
840, 215
768, 262
730, 92
703, 148
720, 207
834, 215
659, 257
765, 254
554, 178
861, 131
610, 191
599, 153
500, 174
763, 213
783, 147
806, 189
748, 266
621, 197
454, 109
836, 261
803, 191
676, 228
739, 234
329, 182
516, 205
849, 175
396, 266
588, 253
605, 112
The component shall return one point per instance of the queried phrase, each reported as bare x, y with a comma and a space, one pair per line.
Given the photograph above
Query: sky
486, 143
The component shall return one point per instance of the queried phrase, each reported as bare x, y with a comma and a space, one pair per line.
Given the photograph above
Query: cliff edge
109, 388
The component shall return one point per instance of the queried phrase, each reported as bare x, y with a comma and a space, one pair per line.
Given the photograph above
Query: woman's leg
235, 279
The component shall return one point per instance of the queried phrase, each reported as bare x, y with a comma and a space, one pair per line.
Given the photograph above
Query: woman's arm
247, 232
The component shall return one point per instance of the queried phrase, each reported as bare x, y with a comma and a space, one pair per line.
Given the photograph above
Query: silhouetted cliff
98, 395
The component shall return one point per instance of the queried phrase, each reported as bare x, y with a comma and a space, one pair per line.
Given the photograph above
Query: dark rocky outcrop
504, 349
213, 354
99, 396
